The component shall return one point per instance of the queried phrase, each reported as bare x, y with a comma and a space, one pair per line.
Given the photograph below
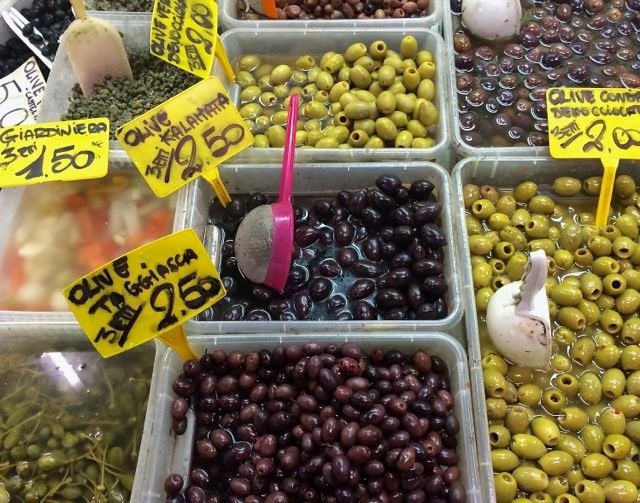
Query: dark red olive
434, 286
421, 189
399, 277
302, 304
426, 311
402, 259
432, 235
428, 211
414, 297
357, 202
389, 297
179, 408
336, 303
347, 256
372, 248
361, 288
330, 268
344, 233
382, 201
389, 184
389, 250
306, 236
343, 197
402, 216
402, 235
320, 288
426, 267
371, 217
363, 310
366, 269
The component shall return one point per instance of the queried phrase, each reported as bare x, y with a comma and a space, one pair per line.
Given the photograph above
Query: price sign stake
186, 137
54, 152
595, 123
146, 293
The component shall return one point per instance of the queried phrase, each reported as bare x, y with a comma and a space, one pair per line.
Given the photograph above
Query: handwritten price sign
186, 137
184, 33
149, 291
20, 95
594, 122
54, 151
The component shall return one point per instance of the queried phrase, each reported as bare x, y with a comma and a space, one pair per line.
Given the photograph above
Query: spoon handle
286, 177
532, 282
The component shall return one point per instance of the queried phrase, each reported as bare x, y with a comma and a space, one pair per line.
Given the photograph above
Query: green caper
566, 186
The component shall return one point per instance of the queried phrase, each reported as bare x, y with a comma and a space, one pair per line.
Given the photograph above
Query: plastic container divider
503, 173
463, 149
327, 180
228, 16
164, 453
278, 43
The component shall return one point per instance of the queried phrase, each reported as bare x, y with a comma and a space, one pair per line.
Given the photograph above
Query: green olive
495, 362
613, 382
425, 111
632, 430
358, 138
408, 46
280, 75
621, 491
605, 302
583, 257
499, 438
426, 88
556, 463
589, 491
482, 298
514, 236
625, 469
400, 120
631, 331
276, 135
627, 225
558, 485
470, 194
590, 388
591, 286
530, 479
541, 204
529, 394
520, 217
582, 350
611, 321
572, 318
629, 405
496, 408
497, 266
612, 421
527, 446
565, 295
553, 400
504, 460
545, 430
632, 384
570, 237
616, 446
605, 265
411, 80
386, 129
567, 384
593, 436
515, 266
494, 383
503, 250
592, 185
574, 476
566, 186
590, 310
628, 301
564, 335
517, 419
249, 62
506, 487
624, 186
572, 419
596, 465
525, 191
537, 227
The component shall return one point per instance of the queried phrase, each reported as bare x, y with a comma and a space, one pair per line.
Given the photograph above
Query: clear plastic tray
228, 16
164, 453
13, 201
135, 28
292, 43
463, 149
503, 173
55, 340
327, 180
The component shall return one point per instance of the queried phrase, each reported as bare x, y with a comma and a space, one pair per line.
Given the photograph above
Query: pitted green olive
556, 463
504, 460
589, 491
506, 487
530, 479
596, 465
566, 186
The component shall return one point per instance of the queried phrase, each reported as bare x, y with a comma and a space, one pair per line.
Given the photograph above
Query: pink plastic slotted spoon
264, 239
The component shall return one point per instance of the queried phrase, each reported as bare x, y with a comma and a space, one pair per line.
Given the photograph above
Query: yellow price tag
184, 33
185, 137
595, 123
148, 292
54, 152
